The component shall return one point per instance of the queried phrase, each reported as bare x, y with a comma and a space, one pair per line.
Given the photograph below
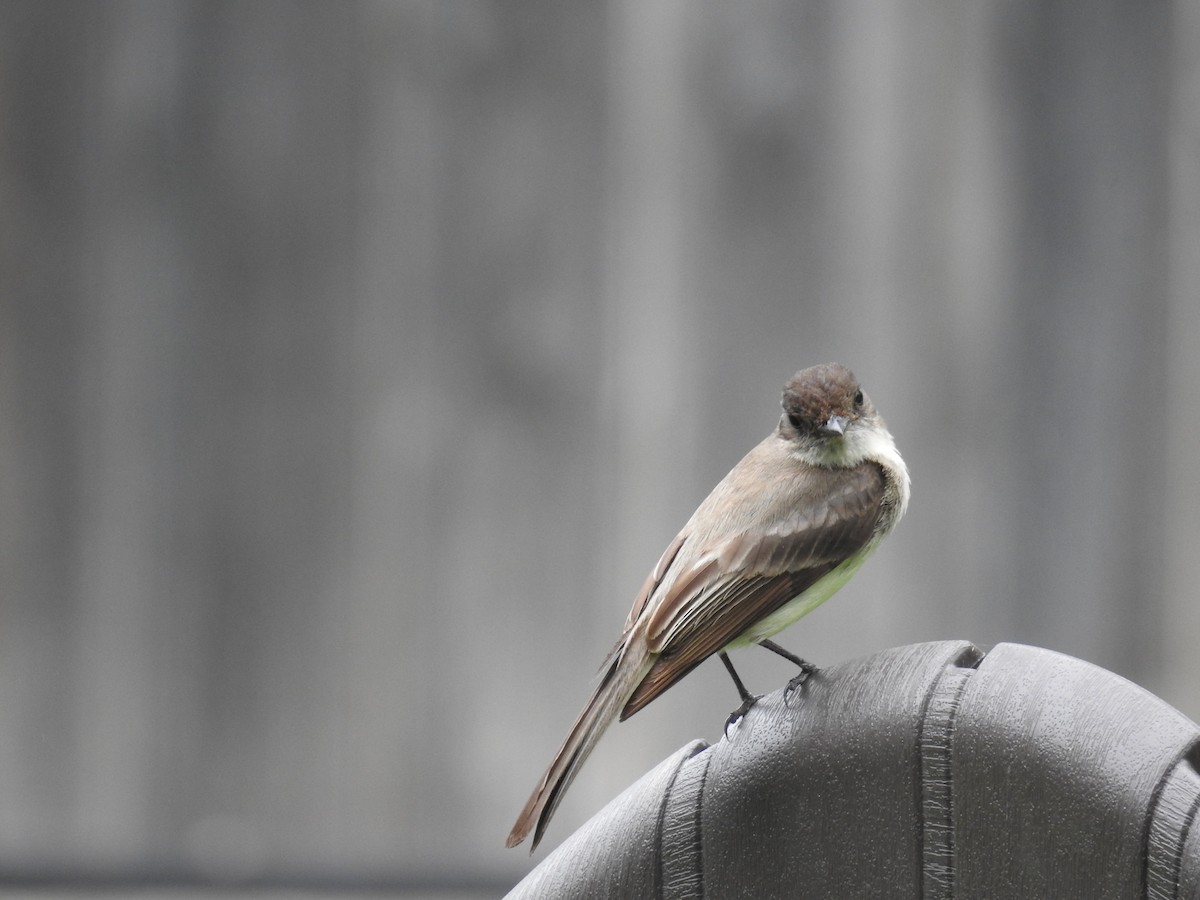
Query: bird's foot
740, 713
807, 669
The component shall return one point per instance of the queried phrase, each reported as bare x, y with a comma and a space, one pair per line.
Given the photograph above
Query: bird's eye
858, 398
796, 421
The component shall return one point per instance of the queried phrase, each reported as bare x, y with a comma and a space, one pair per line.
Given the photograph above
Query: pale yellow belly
802, 604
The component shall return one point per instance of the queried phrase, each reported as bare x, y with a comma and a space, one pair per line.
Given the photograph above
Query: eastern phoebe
783, 531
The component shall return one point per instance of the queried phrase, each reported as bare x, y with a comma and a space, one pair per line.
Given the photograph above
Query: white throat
862, 442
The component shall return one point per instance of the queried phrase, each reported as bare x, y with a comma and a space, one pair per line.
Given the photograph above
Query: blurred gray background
357, 361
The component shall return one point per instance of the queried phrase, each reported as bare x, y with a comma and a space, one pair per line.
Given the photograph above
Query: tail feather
620, 678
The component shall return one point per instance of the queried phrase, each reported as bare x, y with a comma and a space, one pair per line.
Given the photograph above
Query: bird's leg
748, 699
806, 668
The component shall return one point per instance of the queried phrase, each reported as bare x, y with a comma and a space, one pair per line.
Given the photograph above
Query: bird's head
827, 417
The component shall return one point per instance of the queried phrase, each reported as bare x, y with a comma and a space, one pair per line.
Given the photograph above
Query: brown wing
750, 576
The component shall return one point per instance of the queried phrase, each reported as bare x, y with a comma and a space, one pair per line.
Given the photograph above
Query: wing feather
748, 576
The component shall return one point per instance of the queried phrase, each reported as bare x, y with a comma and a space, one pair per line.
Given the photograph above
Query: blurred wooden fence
357, 361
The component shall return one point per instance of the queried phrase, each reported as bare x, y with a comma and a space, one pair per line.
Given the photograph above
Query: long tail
625, 668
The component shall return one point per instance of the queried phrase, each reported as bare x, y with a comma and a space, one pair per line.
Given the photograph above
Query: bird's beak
836, 424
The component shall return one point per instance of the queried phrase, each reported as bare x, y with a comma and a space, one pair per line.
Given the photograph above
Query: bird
786, 528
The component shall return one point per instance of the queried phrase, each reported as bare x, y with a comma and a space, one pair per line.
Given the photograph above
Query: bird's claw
796, 683
740, 713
